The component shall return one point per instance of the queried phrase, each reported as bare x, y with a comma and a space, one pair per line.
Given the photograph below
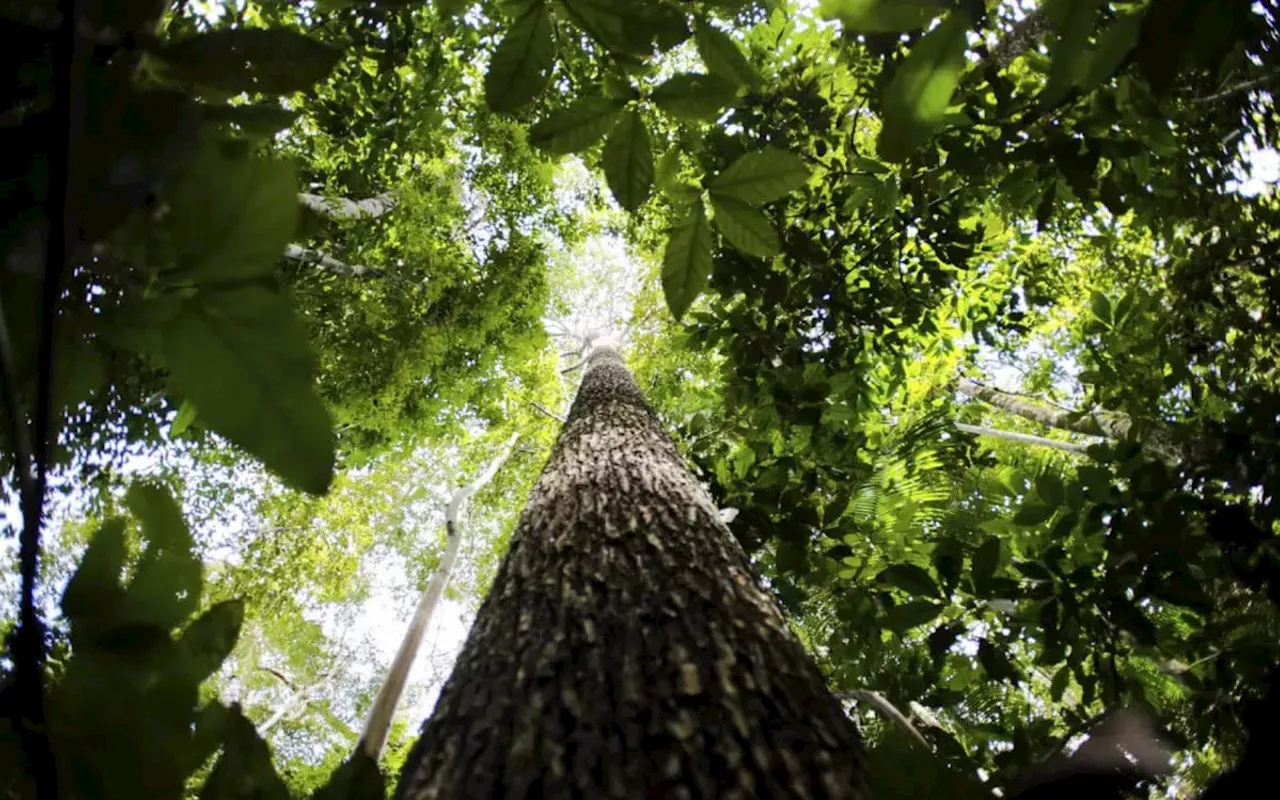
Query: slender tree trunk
378, 725
626, 650
342, 209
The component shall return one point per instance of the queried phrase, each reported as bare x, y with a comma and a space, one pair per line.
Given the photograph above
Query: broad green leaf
943, 637
243, 359
1031, 515
95, 586
686, 263
910, 578
628, 28
1100, 305
1114, 43
522, 63
909, 615
182, 420
1058, 686
694, 96
166, 585
267, 60
985, 561
628, 162
948, 562
882, 16
1050, 489
996, 662
744, 227
209, 640
257, 120
722, 55
577, 127
244, 770
918, 96
1070, 52
870, 165
231, 217
761, 176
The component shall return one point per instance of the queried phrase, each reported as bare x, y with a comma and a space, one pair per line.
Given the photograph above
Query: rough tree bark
626, 650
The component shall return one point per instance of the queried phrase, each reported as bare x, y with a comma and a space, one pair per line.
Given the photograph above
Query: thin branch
1245, 86
547, 413
881, 703
305, 255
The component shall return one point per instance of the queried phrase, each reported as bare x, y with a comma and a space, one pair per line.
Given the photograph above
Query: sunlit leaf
744, 227
577, 127
628, 161
686, 263
694, 96
918, 96
521, 65
882, 16
761, 176
722, 55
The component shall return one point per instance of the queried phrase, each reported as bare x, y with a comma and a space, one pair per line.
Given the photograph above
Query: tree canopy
963, 310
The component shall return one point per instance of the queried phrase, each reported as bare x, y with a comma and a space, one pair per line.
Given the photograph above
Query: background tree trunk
626, 649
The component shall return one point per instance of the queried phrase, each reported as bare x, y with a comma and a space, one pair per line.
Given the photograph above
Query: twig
550, 414
889, 710
1239, 87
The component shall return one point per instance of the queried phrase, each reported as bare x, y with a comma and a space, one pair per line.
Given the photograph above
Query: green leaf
182, 420
722, 55
910, 579
244, 770
209, 640
761, 176
1070, 52
686, 263
267, 60
985, 561
521, 65
242, 357
917, 98
357, 779
1031, 515
680, 191
628, 162
166, 584
231, 217
1114, 43
909, 615
948, 562
1100, 305
1058, 686
870, 165
744, 227
629, 28
882, 16
694, 96
577, 127
996, 662
95, 586
1050, 489
257, 120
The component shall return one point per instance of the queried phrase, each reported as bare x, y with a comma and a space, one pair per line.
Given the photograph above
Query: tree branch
1022, 438
343, 210
305, 255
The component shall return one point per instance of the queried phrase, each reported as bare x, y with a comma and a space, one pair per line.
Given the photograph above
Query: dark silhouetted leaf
694, 96
910, 578
761, 176
266, 60
522, 63
577, 127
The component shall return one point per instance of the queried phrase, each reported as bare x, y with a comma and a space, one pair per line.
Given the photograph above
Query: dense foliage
967, 308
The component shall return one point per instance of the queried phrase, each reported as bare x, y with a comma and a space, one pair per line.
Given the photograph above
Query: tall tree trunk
626, 650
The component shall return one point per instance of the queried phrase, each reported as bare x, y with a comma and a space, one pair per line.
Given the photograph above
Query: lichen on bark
626, 649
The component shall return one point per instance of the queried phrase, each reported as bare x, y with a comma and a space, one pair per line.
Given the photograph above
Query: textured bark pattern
625, 650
